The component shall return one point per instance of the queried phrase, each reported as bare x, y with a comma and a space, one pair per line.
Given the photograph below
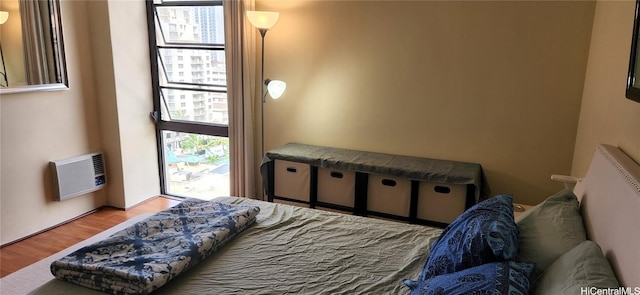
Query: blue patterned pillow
507, 277
484, 233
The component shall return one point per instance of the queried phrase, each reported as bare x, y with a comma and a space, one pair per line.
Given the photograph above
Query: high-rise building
194, 68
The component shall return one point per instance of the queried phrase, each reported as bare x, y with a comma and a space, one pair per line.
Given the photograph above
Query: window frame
176, 125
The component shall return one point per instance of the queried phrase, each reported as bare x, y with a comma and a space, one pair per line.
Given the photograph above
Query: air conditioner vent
78, 175
98, 165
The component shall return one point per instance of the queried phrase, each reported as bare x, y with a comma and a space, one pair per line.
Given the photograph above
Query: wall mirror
633, 78
32, 47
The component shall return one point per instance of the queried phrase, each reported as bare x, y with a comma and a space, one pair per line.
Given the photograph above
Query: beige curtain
240, 48
36, 32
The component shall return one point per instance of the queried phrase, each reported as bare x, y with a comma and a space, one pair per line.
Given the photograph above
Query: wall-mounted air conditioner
76, 176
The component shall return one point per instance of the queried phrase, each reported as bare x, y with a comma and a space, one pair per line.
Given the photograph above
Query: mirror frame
55, 20
633, 91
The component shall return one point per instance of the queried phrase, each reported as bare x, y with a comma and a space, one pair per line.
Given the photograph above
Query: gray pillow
550, 229
583, 266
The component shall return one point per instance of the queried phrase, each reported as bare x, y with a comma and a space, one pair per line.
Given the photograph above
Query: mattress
302, 251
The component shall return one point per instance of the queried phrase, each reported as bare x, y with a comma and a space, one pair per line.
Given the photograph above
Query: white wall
492, 82
606, 115
40, 127
121, 49
105, 109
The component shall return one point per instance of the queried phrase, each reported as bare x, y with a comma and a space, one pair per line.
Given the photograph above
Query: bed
291, 250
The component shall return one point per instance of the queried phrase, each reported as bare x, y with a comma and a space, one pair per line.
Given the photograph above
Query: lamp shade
276, 88
263, 19
3, 17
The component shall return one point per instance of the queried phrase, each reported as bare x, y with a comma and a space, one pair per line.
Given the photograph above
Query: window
193, 132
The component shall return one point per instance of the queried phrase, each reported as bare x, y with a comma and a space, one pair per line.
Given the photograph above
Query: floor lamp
3, 19
263, 21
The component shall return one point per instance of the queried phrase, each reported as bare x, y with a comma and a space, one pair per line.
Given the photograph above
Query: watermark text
610, 291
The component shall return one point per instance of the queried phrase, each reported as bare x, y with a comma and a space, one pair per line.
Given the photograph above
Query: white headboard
610, 204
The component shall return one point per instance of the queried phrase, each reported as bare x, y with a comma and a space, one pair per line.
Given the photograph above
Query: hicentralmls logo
610, 291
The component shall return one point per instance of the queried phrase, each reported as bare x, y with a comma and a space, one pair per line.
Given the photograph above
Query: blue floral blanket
146, 255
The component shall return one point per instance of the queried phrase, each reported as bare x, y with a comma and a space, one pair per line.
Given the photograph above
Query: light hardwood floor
15, 256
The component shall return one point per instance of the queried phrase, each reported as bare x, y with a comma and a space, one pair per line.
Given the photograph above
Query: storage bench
413, 189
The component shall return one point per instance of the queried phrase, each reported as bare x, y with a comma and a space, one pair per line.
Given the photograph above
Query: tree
205, 145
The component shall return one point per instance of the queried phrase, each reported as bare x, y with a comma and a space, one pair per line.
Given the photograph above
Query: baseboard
83, 215
52, 227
